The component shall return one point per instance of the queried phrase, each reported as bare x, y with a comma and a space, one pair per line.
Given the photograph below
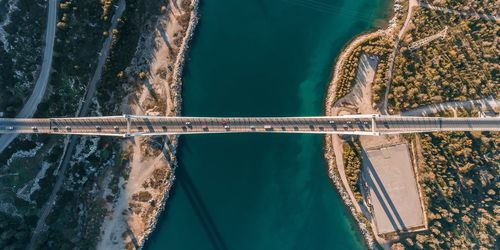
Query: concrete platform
392, 187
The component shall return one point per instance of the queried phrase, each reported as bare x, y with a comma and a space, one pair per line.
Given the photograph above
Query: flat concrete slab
393, 191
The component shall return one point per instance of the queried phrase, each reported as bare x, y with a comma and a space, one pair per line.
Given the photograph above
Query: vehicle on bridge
130, 125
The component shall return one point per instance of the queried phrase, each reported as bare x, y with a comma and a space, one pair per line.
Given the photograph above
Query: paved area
156, 125
392, 189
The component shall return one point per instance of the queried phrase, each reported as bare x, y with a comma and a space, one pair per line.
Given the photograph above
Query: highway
127, 126
38, 92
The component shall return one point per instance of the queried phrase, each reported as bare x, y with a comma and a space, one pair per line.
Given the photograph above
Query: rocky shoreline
154, 87
177, 88
362, 223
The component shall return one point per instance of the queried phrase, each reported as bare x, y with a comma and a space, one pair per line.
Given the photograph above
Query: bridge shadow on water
185, 183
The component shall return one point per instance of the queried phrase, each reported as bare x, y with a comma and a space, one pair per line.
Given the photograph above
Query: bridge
133, 125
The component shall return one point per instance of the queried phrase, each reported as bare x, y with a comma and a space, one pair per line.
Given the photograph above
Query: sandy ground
361, 95
357, 101
129, 220
120, 219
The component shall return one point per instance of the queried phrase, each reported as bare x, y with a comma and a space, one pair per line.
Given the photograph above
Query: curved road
30, 106
72, 141
411, 5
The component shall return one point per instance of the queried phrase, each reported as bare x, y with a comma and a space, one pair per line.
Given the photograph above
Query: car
252, 127
331, 122
34, 128
164, 128
10, 128
188, 124
226, 126
268, 127
68, 128
98, 128
116, 128
140, 129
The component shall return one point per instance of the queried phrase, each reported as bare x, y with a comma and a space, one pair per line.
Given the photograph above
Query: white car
10, 128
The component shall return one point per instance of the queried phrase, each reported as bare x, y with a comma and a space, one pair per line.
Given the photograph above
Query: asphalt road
118, 126
30, 106
72, 141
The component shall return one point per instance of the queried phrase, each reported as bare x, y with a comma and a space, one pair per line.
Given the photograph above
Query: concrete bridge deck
129, 125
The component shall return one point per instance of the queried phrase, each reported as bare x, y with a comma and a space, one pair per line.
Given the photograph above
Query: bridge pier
128, 125
373, 124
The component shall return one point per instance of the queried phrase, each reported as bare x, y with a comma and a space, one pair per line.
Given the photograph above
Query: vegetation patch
460, 67
352, 163
380, 46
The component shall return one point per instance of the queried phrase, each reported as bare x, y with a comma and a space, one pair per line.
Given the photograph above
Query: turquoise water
261, 58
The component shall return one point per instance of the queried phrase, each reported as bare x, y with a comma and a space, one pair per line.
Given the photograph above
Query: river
261, 191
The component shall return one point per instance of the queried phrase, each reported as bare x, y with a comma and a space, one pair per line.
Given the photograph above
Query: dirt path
411, 5
487, 17
70, 146
485, 105
359, 98
31, 105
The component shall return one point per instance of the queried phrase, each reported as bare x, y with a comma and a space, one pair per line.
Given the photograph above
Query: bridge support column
128, 125
374, 124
